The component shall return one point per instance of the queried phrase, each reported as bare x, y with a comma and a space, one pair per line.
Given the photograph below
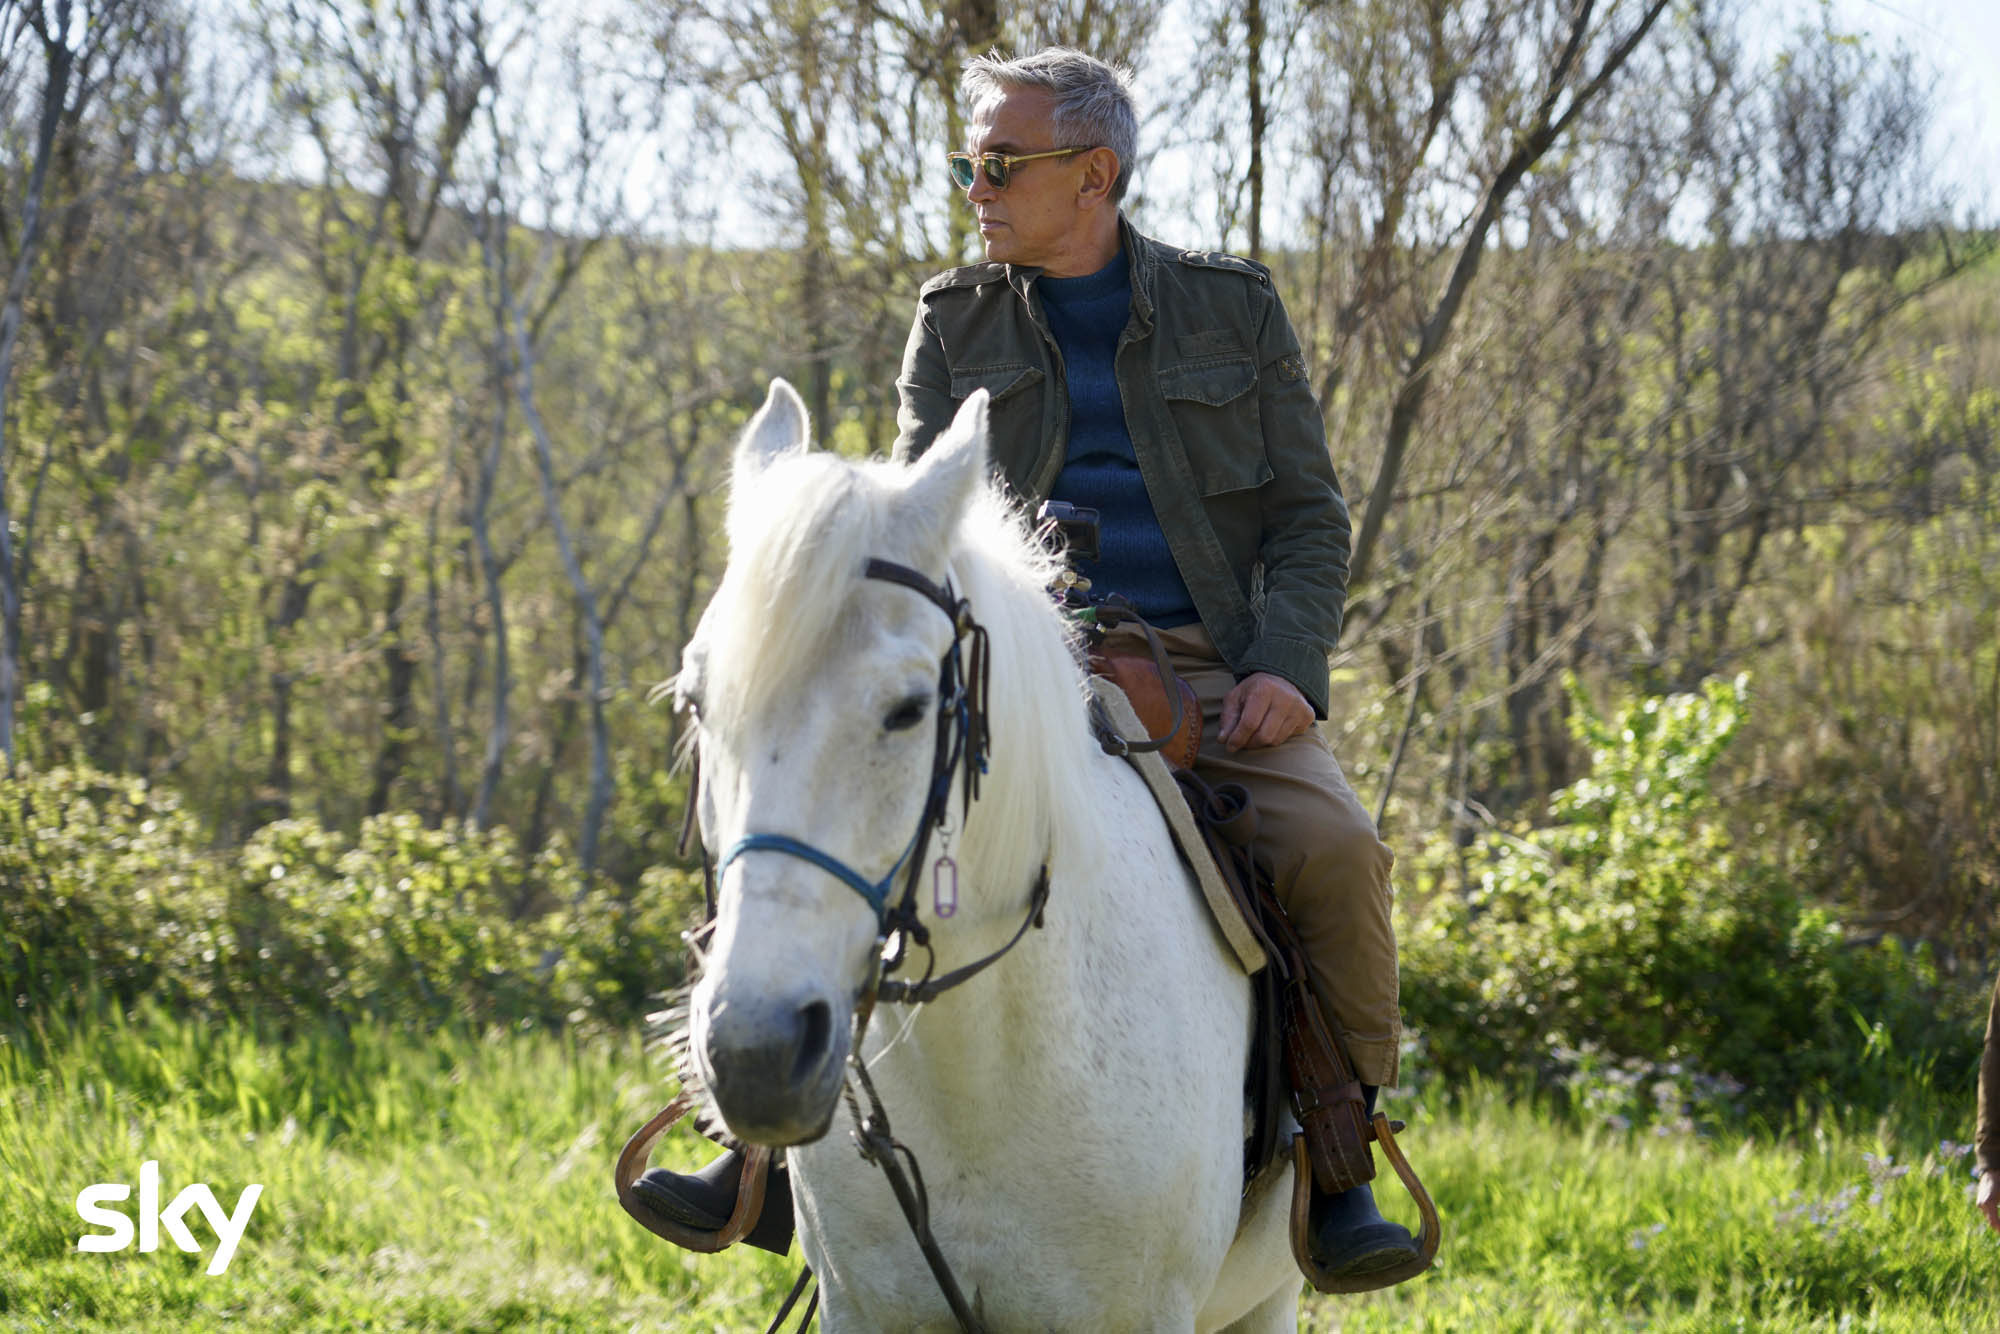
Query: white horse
1077, 1108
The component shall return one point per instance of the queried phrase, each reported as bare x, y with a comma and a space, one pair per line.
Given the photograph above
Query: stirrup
632, 1165
1302, 1192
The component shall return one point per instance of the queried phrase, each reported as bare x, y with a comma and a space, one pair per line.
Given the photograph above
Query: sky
1958, 39
1961, 39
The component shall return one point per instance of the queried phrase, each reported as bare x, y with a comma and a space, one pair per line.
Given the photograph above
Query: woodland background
368, 373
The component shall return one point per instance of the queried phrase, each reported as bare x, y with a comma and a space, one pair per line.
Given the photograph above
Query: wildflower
1826, 1214
1640, 1236
1882, 1172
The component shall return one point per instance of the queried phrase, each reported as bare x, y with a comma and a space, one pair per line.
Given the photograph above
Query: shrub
1630, 941
106, 886
111, 891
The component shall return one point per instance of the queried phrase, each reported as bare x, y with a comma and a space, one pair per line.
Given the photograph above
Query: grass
455, 1182
1556, 1228
443, 1183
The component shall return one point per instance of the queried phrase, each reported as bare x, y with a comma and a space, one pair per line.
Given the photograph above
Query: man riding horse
1164, 389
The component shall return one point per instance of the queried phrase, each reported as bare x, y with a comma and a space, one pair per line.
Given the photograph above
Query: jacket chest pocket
1214, 407
1013, 416
1001, 382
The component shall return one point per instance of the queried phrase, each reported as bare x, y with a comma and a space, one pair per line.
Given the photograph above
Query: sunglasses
999, 167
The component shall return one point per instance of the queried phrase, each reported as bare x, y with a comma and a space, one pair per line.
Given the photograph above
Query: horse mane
1042, 746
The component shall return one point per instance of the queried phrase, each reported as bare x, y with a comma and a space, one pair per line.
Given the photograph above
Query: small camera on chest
1069, 531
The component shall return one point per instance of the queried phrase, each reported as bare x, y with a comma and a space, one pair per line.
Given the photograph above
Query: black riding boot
703, 1200
1350, 1236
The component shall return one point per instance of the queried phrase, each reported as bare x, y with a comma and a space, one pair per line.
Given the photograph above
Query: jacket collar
1142, 254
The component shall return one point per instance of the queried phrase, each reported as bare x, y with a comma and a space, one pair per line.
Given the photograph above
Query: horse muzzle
774, 1065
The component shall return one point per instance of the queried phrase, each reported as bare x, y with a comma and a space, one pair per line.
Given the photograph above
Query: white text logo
229, 1228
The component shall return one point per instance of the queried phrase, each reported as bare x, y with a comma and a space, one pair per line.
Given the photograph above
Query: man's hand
1263, 710
1989, 1198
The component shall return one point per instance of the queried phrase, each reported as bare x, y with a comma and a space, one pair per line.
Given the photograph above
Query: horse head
814, 695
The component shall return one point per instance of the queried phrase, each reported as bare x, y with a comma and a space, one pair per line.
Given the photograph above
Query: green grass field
455, 1183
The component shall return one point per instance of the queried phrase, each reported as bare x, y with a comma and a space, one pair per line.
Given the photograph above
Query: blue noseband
877, 893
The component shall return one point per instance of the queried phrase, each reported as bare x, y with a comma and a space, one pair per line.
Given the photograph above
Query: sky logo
118, 1229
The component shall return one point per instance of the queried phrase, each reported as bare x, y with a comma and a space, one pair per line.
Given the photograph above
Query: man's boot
702, 1201
1350, 1236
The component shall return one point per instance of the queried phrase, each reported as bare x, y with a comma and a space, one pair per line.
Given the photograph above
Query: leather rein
961, 750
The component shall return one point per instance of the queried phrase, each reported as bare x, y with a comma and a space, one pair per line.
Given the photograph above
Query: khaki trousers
1332, 869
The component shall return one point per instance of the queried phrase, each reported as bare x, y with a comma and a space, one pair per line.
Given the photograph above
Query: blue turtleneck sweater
1100, 471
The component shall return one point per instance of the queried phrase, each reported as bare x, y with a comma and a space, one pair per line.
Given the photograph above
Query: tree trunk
399, 713
58, 63
448, 799
1253, 41
586, 597
975, 28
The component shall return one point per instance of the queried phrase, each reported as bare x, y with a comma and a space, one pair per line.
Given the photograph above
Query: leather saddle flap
1242, 937
1146, 691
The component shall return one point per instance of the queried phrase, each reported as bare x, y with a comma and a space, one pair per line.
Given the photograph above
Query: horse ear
780, 427
949, 472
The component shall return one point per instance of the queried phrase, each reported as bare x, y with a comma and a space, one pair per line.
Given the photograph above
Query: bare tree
858, 103
1648, 381
783, 66
600, 575
478, 516
1819, 224
1568, 82
1232, 98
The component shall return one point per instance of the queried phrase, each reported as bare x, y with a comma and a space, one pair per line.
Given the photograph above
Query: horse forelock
798, 540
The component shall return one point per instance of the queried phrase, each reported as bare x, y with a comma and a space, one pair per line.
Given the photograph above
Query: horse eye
906, 715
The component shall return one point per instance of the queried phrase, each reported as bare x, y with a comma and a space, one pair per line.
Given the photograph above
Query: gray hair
1093, 100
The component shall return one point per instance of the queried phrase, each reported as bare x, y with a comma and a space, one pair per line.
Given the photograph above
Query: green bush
1629, 949
112, 891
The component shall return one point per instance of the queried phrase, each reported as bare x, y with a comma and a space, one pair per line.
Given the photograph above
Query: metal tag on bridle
944, 886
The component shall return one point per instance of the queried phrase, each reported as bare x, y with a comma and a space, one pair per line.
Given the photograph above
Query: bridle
962, 745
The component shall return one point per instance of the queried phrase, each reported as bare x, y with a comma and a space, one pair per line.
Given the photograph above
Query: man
1165, 389
1986, 1142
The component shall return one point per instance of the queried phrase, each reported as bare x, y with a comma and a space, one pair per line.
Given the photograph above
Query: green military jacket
1223, 422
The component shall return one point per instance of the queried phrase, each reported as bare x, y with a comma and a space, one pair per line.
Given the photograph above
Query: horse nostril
815, 1038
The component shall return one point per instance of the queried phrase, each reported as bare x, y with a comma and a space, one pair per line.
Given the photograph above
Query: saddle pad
1167, 795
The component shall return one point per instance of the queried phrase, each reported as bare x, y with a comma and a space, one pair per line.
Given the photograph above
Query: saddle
1297, 1063
1144, 683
